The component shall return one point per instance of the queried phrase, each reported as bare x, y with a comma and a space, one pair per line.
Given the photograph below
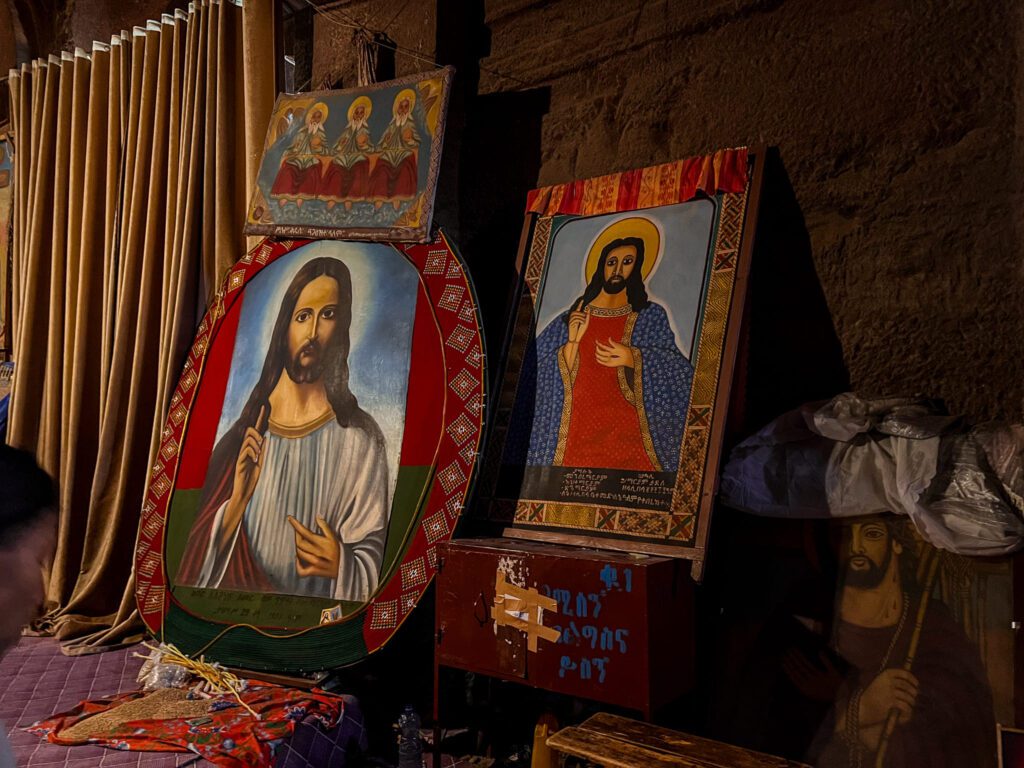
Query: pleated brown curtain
133, 165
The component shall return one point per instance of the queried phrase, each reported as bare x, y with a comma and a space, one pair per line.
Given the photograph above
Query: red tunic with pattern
604, 427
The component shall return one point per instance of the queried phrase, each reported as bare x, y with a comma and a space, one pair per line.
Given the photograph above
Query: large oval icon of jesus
297, 495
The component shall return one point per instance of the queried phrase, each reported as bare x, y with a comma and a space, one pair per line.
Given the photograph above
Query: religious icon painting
920, 653
320, 443
904, 658
612, 404
357, 164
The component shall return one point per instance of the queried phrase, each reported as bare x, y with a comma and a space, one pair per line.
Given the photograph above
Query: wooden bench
618, 742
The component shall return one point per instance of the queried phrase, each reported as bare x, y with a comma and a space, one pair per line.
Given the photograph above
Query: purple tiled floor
312, 747
37, 680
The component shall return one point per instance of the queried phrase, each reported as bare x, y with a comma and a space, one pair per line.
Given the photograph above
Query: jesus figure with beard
917, 693
612, 385
296, 496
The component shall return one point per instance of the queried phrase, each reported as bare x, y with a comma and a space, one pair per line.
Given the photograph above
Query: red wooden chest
607, 626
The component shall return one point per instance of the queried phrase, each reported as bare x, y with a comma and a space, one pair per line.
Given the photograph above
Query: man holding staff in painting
296, 497
916, 693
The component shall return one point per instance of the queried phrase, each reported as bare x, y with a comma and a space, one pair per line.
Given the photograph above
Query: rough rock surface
899, 136
895, 123
411, 25
896, 126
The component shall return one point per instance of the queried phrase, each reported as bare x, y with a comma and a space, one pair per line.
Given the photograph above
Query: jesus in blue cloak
612, 387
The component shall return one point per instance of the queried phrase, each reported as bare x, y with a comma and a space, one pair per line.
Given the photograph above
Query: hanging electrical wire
351, 22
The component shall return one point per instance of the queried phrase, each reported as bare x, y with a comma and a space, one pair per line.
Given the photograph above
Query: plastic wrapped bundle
962, 486
156, 673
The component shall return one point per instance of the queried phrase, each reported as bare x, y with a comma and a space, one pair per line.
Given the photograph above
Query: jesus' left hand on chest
614, 355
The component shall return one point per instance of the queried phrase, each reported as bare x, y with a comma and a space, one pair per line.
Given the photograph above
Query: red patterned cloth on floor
227, 735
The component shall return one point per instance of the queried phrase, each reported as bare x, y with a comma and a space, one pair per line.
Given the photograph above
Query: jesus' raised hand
316, 554
249, 461
579, 321
248, 465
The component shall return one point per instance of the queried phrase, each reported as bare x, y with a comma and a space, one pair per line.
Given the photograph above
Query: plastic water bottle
410, 750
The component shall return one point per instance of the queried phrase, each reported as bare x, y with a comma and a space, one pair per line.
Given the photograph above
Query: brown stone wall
899, 143
411, 24
51, 26
8, 41
99, 19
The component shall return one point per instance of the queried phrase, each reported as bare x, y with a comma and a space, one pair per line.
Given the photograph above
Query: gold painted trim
302, 429
605, 312
641, 411
635, 396
291, 197
627, 393
546, 504
609, 542
627, 335
568, 381
693, 450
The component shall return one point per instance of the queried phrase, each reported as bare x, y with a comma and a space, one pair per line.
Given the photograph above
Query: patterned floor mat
37, 680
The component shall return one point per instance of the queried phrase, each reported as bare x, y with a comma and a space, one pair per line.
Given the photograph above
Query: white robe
337, 473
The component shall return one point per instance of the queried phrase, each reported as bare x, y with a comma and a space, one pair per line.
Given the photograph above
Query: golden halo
323, 112
634, 226
407, 93
360, 101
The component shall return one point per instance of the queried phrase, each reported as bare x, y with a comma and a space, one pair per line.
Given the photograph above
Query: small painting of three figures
358, 163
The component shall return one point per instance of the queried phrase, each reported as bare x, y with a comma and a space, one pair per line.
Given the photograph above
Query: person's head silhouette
27, 539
